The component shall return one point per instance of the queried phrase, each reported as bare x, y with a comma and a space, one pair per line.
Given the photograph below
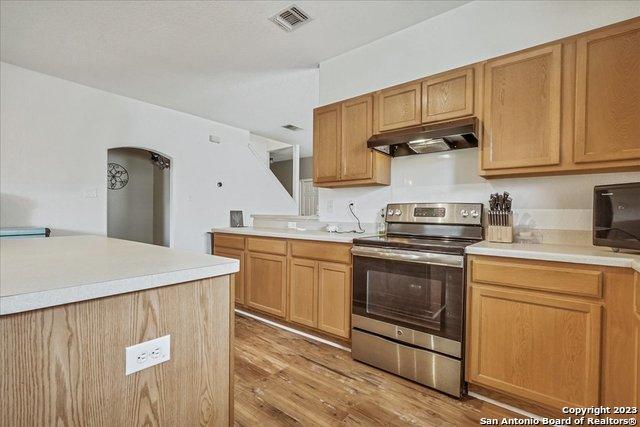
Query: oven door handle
415, 257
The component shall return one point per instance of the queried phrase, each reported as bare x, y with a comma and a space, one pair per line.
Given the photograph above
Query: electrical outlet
146, 354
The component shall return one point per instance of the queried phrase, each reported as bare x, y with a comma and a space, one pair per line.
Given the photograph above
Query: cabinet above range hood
452, 135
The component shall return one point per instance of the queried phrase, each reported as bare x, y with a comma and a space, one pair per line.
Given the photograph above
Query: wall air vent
291, 127
290, 18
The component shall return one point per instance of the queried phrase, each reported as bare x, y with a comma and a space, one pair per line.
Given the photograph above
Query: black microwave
616, 216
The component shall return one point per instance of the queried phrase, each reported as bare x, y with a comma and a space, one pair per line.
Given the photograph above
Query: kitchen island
69, 306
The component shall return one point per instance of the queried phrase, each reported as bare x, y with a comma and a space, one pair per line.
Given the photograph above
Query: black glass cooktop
425, 244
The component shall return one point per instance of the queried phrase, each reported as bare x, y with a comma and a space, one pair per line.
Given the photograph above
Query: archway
138, 195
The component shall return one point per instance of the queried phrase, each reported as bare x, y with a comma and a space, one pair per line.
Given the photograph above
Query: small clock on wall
117, 176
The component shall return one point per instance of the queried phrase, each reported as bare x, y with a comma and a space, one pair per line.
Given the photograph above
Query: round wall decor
117, 176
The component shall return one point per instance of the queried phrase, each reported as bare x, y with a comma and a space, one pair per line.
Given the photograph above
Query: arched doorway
138, 196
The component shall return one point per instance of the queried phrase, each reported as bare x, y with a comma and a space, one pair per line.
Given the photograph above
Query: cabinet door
447, 96
522, 103
326, 143
357, 128
239, 279
266, 283
608, 95
545, 349
334, 299
303, 292
398, 107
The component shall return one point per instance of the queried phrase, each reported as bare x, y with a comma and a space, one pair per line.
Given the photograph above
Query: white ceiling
221, 60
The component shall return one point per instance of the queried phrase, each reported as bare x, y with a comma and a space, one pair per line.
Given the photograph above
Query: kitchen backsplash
551, 203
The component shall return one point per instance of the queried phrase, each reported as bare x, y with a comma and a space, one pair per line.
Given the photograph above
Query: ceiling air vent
291, 127
290, 18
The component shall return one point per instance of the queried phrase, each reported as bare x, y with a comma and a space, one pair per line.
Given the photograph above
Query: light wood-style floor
284, 379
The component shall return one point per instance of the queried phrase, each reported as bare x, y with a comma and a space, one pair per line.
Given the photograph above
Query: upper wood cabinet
327, 127
522, 116
356, 159
341, 157
607, 123
398, 107
448, 96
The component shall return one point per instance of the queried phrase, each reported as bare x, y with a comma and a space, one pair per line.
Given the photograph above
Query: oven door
411, 296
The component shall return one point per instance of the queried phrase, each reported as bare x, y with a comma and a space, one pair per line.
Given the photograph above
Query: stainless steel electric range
409, 291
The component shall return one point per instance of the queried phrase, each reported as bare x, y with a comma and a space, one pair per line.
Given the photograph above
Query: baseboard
292, 330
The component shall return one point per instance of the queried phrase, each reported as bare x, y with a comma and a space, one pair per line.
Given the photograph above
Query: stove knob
475, 214
390, 212
398, 212
464, 213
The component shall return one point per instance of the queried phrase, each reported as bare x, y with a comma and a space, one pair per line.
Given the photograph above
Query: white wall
130, 210
470, 33
54, 137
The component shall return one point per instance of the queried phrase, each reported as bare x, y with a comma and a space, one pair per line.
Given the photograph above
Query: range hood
452, 135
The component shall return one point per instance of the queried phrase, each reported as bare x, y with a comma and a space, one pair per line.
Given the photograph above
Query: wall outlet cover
146, 354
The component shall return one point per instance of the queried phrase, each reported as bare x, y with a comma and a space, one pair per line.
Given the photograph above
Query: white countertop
562, 253
44, 272
290, 233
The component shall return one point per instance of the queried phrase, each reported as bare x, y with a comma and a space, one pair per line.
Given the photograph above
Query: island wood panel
448, 96
266, 283
356, 160
303, 292
334, 299
239, 276
522, 109
326, 143
398, 107
541, 348
607, 123
65, 365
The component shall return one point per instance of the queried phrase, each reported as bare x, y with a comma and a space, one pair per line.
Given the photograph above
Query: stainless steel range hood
452, 135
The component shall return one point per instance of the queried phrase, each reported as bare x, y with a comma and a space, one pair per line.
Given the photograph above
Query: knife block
500, 233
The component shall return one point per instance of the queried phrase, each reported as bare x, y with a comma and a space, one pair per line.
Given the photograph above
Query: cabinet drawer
228, 241
334, 252
270, 246
537, 276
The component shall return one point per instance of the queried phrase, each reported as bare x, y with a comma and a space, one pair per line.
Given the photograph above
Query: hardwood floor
285, 379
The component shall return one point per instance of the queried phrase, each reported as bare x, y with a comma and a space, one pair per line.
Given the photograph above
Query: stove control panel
435, 213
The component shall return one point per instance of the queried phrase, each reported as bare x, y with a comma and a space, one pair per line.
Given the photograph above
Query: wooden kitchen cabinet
607, 121
448, 96
356, 159
553, 334
398, 107
522, 115
327, 128
303, 292
341, 157
239, 276
542, 348
266, 287
334, 299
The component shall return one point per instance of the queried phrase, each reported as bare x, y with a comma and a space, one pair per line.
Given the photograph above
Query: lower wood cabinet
266, 285
541, 348
303, 292
239, 276
304, 282
334, 299
551, 344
